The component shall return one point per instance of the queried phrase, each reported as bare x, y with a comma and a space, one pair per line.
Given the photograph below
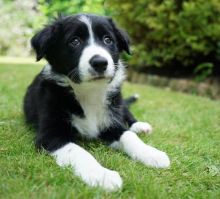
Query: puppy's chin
95, 78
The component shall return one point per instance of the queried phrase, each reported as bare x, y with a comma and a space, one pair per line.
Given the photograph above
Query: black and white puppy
78, 93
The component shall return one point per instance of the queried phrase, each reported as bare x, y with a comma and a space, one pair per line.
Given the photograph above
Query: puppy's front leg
57, 137
131, 144
86, 167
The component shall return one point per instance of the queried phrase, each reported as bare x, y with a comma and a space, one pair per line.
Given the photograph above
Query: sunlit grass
186, 127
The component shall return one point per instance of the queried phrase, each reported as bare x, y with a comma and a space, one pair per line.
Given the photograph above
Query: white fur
88, 23
139, 127
115, 145
87, 168
61, 80
131, 144
136, 95
119, 77
92, 98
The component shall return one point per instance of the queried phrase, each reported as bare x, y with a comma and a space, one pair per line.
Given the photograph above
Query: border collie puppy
78, 94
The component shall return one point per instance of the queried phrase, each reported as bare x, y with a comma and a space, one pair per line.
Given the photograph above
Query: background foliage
172, 32
174, 37
17, 23
21, 18
50, 8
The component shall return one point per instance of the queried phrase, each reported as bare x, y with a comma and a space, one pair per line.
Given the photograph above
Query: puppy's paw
86, 167
104, 178
138, 150
112, 180
155, 158
139, 127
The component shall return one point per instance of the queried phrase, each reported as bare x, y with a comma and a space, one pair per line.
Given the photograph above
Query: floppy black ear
122, 38
44, 40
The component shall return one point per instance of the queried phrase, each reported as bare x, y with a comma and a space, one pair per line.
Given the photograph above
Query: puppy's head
83, 47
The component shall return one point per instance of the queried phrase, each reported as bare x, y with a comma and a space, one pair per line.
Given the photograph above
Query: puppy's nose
99, 63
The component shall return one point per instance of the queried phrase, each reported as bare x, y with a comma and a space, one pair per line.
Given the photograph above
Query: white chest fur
92, 98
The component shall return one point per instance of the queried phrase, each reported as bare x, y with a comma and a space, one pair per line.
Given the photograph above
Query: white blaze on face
90, 51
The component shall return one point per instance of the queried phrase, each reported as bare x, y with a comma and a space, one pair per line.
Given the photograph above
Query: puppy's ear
44, 40
122, 38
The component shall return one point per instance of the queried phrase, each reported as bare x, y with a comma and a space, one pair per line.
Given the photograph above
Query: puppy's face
83, 47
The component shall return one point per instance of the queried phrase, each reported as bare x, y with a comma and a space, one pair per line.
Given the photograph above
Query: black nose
99, 63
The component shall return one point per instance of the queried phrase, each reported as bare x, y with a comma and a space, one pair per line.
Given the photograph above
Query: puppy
78, 93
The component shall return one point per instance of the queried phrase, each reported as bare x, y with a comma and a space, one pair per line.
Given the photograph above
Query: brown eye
107, 40
75, 42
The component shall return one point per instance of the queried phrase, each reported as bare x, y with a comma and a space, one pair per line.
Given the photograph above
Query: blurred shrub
51, 8
176, 33
171, 32
16, 26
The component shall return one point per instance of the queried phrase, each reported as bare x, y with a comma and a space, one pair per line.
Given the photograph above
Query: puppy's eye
107, 40
75, 42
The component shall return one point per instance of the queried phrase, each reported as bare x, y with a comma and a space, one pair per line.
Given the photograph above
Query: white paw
154, 158
104, 178
139, 127
146, 154
87, 168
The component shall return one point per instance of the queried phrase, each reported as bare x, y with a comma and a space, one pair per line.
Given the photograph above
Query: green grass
186, 127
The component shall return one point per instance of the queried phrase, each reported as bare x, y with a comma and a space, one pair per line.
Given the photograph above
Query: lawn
186, 127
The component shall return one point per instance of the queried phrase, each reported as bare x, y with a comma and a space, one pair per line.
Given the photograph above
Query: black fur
48, 105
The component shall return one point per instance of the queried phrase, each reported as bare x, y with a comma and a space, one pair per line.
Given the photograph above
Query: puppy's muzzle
99, 63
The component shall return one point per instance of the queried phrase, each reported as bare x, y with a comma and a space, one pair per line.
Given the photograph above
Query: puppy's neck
92, 93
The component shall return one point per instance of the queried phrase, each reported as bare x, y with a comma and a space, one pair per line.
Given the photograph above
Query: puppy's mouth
95, 76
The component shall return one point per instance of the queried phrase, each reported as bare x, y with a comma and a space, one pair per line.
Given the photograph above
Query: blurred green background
170, 38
